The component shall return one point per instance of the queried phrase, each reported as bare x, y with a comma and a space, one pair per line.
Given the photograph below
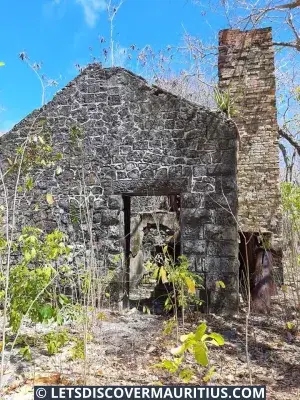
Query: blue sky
60, 32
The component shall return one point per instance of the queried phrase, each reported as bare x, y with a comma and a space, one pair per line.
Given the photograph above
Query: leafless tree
284, 17
36, 67
112, 10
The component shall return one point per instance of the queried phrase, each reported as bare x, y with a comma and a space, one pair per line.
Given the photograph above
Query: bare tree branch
288, 6
288, 44
290, 139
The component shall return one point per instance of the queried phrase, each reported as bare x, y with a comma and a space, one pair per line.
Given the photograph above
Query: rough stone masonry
109, 148
246, 70
109, 136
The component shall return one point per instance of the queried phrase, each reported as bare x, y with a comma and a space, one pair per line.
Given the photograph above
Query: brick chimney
246, 70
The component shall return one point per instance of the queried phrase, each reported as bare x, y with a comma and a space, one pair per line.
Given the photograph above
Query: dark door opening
126, 279
150, 223
247, 258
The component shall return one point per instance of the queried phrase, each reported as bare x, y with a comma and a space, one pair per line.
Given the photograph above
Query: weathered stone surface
117, 137
246, 69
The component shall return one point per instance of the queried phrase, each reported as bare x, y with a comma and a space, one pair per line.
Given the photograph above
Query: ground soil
124, 346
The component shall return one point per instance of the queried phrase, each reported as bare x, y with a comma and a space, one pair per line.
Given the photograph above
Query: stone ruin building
134, 167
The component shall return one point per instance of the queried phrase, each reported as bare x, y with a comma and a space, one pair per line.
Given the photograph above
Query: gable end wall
135, 140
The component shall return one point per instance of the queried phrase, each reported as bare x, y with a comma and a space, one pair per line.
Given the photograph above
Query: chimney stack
246, 71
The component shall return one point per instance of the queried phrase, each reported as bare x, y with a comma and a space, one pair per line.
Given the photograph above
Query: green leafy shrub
224, 102
183, 281
56, 340
25, 352
31, 289
290, 194
197, 344
78, 351
169, 326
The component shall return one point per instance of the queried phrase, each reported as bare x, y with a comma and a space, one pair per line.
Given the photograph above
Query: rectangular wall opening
150, 222
247, 258
126, 279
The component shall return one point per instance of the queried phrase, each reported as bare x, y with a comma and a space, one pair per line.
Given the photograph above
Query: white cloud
92, 9
55, 9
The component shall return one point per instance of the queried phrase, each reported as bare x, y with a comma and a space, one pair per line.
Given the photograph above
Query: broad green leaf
46, 312
200, 353
49, 199
29, 183
217, 339
26, 353
200, 331
184, 338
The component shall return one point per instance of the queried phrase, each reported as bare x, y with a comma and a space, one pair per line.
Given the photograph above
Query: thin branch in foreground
290, 139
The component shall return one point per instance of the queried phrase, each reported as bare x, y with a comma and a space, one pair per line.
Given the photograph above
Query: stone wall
246, 69
111, 135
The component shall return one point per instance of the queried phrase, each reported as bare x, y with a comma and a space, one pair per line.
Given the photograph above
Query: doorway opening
151, 225
248, 244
